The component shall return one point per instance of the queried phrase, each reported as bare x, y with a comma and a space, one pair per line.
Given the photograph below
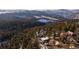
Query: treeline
27, 39
19, 24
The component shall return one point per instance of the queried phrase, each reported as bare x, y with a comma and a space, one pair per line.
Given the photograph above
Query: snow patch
43, 20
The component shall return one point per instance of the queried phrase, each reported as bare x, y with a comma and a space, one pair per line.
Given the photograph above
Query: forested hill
30, 38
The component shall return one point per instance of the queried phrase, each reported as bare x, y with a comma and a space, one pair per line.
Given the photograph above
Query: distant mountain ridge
60, 14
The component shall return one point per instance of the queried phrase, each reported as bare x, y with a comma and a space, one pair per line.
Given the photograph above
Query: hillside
39, 29
50, 36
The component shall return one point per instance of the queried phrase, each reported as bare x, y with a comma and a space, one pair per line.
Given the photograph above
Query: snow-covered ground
43, 20
10, 11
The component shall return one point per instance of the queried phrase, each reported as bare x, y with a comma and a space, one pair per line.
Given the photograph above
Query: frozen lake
43, 20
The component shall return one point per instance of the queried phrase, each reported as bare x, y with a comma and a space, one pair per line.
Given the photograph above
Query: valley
39, 29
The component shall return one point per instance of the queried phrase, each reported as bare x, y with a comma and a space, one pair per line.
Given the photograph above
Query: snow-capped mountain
58, 14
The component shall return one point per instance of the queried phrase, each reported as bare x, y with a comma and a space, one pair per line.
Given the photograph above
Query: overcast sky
39, 4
